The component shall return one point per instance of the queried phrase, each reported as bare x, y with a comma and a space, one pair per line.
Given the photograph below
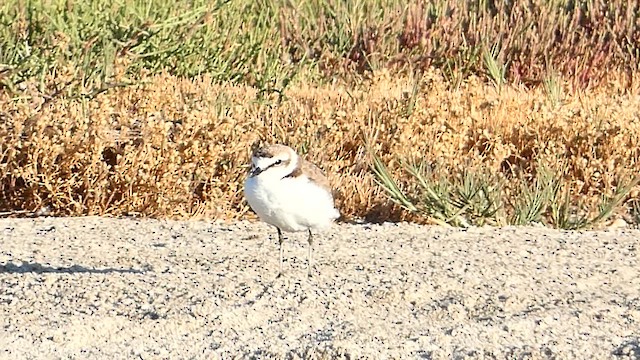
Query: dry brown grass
178, 148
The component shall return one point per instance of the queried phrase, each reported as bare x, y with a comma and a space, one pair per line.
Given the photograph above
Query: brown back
314, 173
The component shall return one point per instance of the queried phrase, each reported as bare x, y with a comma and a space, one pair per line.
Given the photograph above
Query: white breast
291, 204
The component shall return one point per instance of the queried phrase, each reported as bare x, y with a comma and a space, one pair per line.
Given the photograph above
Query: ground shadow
11, 268
630, 349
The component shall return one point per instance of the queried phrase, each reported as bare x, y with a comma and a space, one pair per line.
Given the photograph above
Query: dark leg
281, 241
309, 255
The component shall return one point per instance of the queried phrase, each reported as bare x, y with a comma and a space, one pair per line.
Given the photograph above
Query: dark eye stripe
279, 162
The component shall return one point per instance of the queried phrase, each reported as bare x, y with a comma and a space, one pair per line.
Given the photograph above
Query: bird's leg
309, 255
281, 241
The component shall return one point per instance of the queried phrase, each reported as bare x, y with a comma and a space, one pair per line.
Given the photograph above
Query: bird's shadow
11, 268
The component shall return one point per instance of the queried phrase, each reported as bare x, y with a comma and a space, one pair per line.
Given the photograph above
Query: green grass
552, 84
474, 198
495, 68
468, 199
532, 198
85, 42
91, 45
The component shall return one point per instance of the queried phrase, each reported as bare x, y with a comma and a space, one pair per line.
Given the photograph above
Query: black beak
255, 171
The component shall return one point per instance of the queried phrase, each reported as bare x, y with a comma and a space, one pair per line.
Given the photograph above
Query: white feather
289, 203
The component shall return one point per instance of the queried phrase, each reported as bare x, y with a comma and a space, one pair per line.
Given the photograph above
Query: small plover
289, 193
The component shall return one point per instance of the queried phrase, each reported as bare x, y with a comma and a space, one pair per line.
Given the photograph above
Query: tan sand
85, 288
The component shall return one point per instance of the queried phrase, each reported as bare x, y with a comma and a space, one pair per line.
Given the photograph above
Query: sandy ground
83, 288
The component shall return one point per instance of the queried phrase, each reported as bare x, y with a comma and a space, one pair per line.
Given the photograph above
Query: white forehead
263, 162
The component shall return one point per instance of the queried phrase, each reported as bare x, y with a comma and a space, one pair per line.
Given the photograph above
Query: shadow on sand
11, 268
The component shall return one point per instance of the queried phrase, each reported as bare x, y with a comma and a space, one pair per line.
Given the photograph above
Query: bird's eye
278, 162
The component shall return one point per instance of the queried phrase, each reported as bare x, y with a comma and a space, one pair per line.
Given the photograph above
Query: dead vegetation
179, 148
116, 109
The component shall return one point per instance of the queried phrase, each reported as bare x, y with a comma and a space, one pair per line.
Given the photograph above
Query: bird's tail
336, 214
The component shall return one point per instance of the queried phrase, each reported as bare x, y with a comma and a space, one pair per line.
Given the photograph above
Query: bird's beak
255, 171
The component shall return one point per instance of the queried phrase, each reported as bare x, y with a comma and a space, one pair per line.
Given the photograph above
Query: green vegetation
97, 44
473, 199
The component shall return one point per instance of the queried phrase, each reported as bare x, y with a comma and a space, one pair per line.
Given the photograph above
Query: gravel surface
84, 288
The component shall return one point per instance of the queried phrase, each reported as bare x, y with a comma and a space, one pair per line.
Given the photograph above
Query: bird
290, 193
